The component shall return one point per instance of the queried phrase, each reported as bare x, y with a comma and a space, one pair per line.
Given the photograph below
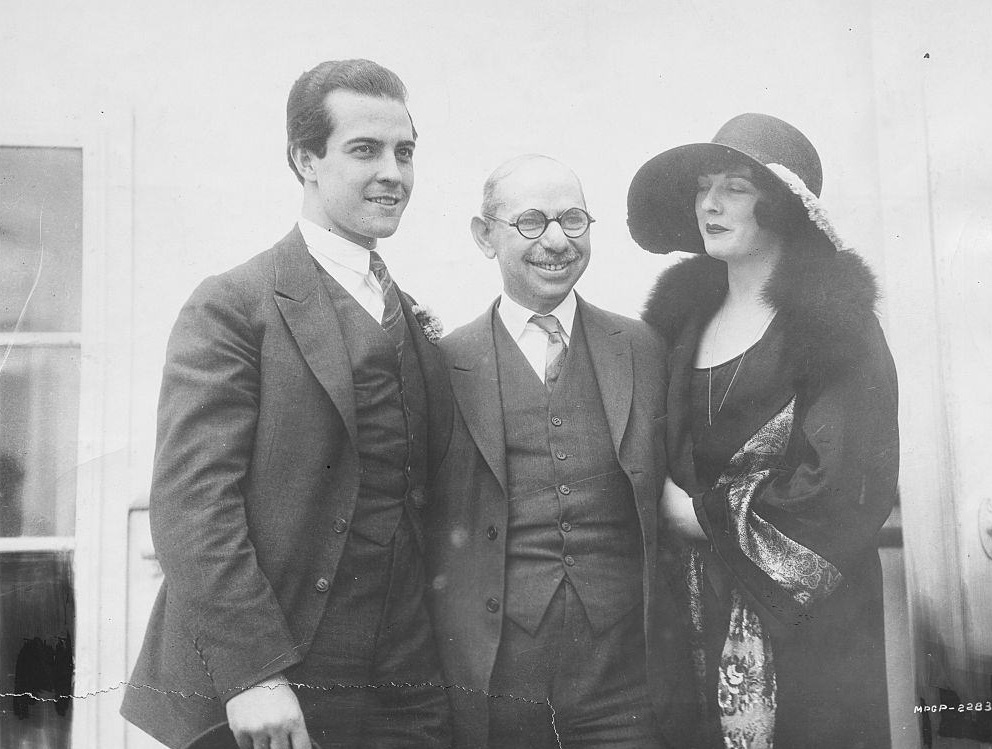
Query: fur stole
827, 302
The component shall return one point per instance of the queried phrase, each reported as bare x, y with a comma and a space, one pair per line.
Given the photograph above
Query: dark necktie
392, 314
556, 347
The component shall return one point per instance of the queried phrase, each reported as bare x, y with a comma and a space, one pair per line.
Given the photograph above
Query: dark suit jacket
467, 564
255, 470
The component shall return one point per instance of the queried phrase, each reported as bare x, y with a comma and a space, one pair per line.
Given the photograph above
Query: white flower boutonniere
429, 322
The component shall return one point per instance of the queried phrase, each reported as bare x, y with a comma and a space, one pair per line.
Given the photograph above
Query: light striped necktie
556, 347
392, 314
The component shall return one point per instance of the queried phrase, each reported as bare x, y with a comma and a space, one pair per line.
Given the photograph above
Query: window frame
103, 480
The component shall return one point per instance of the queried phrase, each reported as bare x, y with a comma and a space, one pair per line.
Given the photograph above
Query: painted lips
715, 229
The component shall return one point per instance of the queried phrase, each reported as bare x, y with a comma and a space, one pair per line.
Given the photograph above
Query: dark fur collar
827, 303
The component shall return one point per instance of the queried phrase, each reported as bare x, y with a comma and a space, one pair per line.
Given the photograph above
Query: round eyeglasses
532, 223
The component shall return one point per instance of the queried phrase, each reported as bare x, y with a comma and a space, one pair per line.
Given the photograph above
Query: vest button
492, 532
492, 605
555, 421
340, 525
569, 560
565, 526
560, 455
564, 489
322, 585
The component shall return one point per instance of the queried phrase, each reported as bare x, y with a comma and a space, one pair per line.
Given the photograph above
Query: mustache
554, 259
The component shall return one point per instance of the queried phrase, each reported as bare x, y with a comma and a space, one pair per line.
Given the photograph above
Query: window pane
39, 416
37, 627
41, 229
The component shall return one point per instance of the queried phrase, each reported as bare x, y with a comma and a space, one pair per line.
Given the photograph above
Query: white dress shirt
531, 339
347, 263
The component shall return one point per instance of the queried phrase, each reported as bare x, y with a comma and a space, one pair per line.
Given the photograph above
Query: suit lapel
314, 325
436, 385
475, 383
612, 360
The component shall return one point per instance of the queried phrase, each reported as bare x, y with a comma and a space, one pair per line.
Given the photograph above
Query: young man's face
364, 181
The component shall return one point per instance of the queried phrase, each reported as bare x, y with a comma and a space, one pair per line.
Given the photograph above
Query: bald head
529, 168
538, 271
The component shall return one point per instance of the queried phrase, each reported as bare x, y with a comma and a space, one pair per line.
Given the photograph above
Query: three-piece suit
295, 441
543, 552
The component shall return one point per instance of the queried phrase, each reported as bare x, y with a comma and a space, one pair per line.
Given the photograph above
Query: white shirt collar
515, 316
347, 263
328, 247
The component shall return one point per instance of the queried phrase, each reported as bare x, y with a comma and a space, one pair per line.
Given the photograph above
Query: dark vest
571, 507
390, 414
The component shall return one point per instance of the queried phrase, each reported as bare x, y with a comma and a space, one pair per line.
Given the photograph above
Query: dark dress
791, 483
734, 653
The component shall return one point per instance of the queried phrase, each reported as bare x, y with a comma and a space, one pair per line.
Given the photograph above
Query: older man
299, 398
543, 539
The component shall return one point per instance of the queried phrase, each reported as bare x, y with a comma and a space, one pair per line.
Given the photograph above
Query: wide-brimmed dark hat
220, 737
660, 212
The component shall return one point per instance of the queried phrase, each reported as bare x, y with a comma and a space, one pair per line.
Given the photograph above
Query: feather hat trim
814, 208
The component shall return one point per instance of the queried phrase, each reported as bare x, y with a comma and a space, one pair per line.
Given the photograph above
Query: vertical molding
912, 291
962, 220
910, 301
103, 473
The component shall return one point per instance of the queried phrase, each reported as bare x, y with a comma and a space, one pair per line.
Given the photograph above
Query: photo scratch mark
299, 685
554, 726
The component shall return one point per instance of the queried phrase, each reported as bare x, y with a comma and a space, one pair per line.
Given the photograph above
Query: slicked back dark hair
308, 121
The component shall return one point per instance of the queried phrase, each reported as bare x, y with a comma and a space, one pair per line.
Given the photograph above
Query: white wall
601, 85
936, 174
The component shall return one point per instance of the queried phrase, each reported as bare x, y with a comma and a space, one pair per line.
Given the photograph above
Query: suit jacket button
492, 605
564, 489
569, 560
566, 526
492, 532
322, 585
418, 498
560, 455
555, 421
340, 525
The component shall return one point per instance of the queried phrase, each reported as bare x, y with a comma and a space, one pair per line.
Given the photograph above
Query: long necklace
733, 377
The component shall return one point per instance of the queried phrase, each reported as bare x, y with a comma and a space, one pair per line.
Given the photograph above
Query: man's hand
268, 716
676, 509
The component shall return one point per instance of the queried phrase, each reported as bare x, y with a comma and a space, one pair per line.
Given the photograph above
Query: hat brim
661, 213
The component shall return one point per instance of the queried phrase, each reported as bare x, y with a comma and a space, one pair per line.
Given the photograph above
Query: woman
782, 439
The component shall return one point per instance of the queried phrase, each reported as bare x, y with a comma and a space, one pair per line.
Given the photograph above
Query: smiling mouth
551, 266
384, 200
715, 229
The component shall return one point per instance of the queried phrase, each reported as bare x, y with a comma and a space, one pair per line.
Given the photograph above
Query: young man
298, 400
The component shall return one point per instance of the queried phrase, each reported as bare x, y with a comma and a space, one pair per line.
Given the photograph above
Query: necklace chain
740, 361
